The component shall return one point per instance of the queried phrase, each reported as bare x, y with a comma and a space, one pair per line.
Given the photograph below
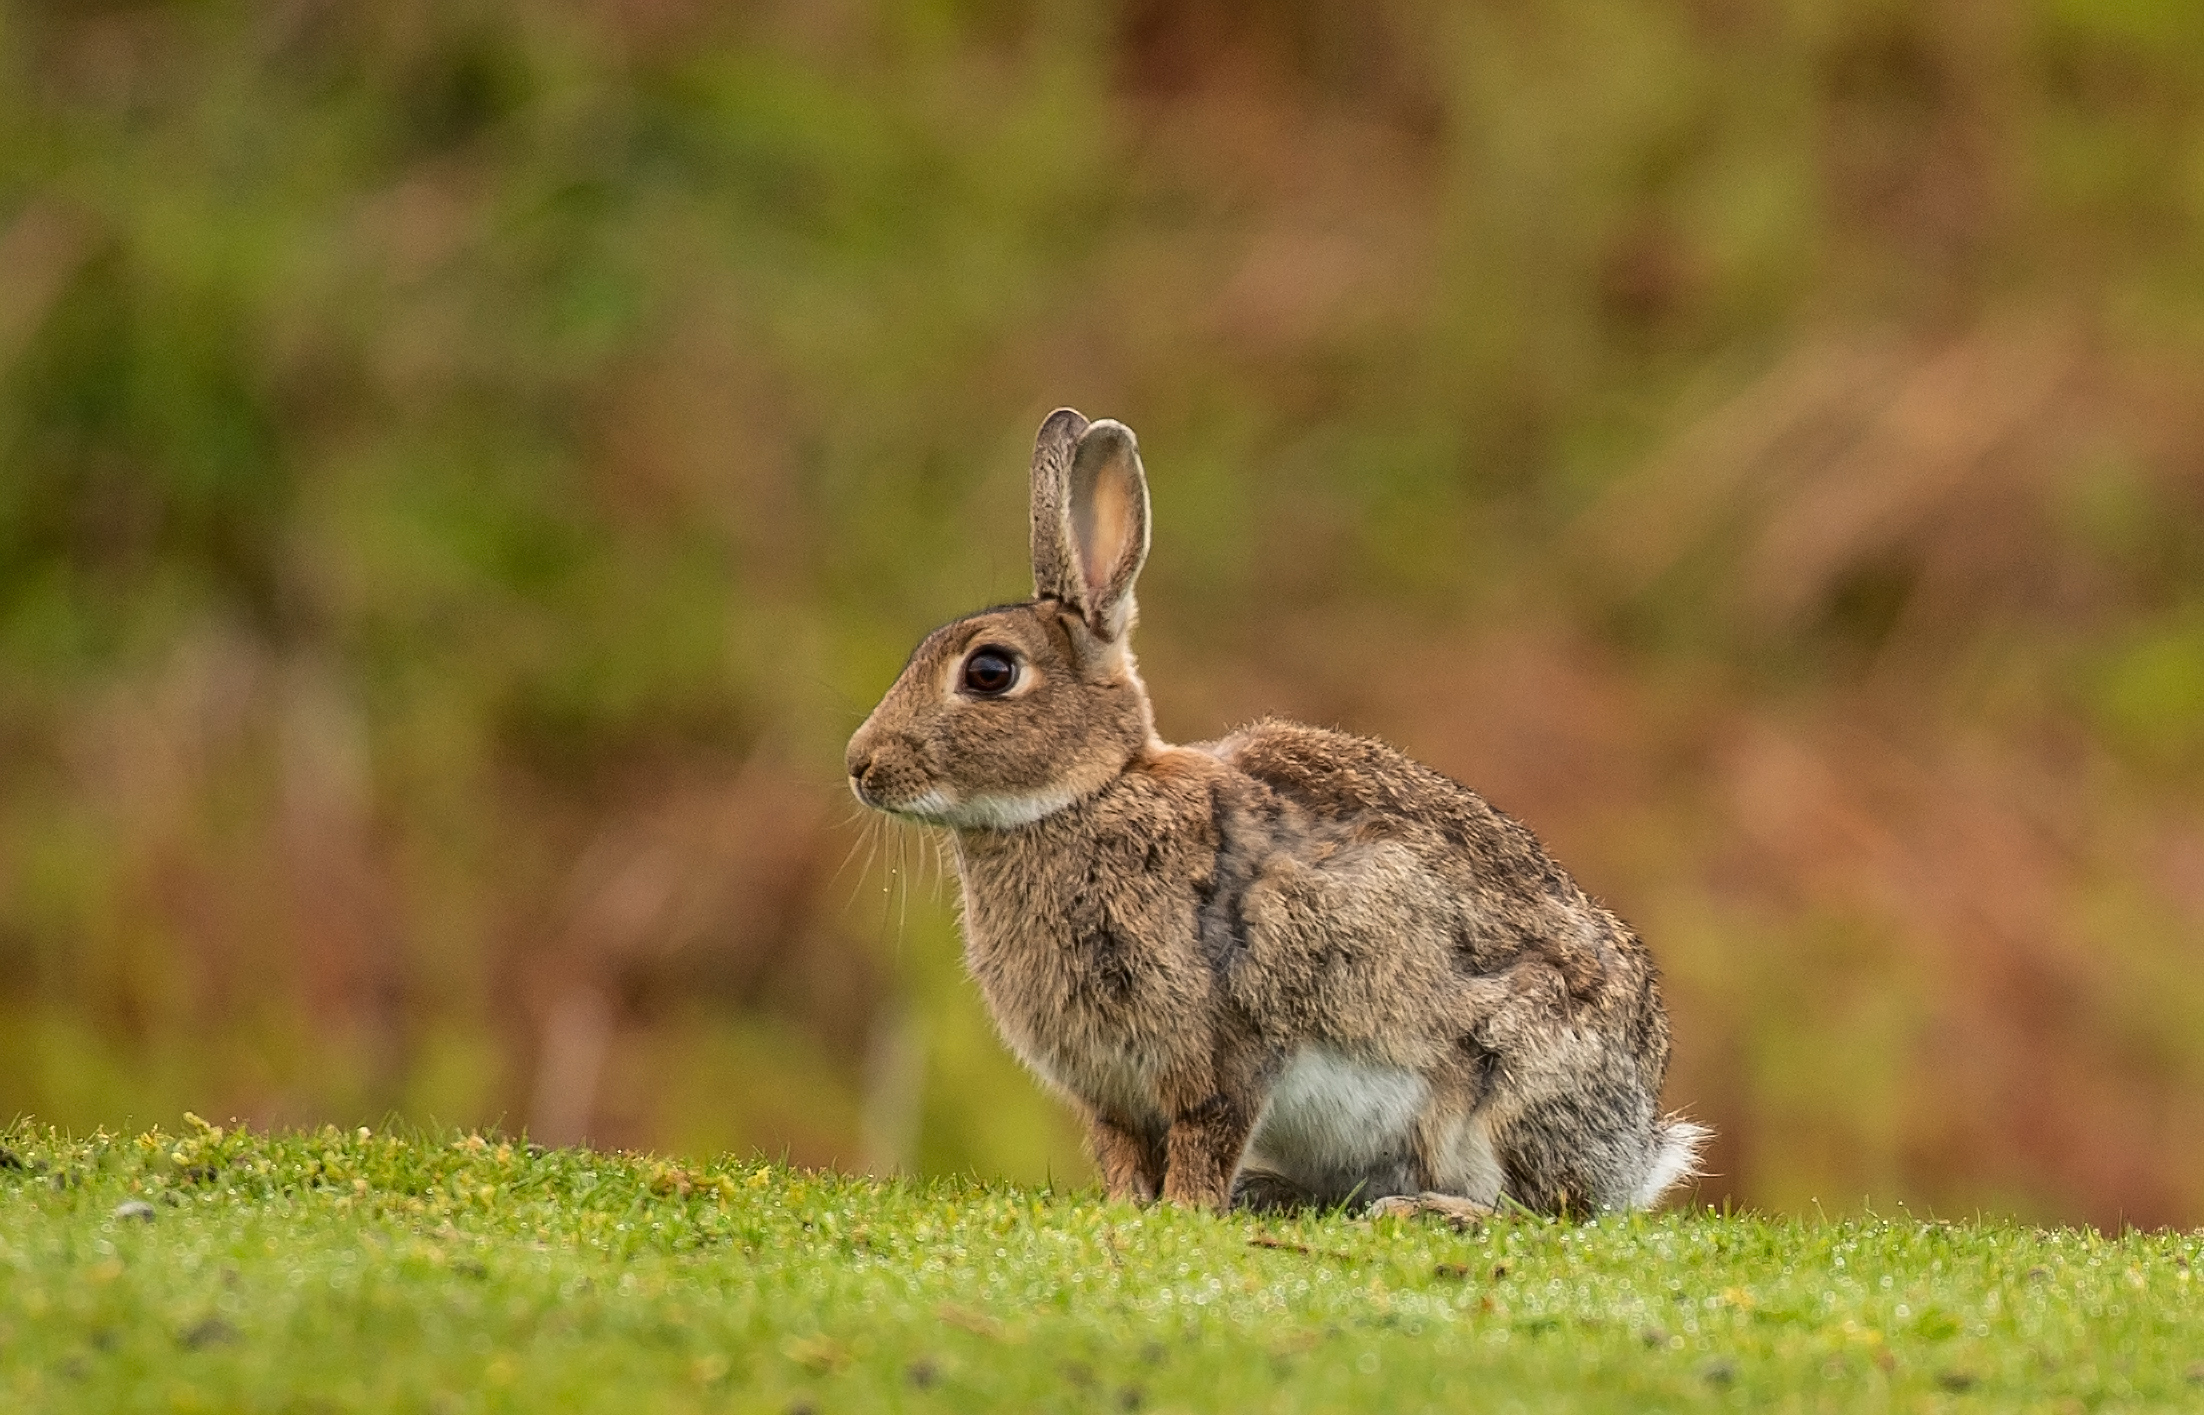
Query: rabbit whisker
870, 839
849, 855
902, 886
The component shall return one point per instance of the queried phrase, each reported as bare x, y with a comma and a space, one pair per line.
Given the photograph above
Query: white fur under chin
1676, 1160
985, 812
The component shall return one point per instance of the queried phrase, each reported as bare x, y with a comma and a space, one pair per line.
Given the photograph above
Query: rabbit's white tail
1676, 1145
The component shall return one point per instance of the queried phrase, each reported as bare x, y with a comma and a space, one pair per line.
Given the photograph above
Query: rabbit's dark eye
989, 672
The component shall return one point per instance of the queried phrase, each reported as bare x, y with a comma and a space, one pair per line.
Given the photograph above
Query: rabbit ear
1109, 525
1054, 575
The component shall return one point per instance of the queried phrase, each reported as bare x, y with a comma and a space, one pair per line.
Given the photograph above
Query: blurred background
466, 467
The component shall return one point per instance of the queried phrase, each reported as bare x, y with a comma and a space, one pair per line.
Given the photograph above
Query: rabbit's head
1007, 715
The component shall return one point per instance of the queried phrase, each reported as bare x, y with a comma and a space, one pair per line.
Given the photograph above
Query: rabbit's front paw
1258, 1191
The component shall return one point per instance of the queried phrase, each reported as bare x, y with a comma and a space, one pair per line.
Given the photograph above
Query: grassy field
350, 1270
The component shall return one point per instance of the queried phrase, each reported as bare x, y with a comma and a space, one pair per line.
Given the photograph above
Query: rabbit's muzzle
887, 775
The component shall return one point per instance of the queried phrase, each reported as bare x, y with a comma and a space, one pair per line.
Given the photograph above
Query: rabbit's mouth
932, 807
892, 778
889, 790
937, 805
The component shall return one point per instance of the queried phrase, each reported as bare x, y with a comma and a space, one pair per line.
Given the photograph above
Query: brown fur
1292, 945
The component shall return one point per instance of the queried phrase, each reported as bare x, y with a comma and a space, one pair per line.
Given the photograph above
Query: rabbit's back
1509, 912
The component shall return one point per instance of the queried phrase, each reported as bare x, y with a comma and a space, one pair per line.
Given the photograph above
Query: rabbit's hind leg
1576, 1151
1452, 1141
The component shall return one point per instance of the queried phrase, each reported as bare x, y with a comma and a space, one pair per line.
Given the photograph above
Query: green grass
337, 1270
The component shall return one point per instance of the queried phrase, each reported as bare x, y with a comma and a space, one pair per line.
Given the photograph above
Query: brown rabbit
1288, 967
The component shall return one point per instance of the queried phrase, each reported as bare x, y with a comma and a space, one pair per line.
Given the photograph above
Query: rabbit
1288, 968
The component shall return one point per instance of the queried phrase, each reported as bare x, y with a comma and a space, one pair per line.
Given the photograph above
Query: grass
225, 1270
